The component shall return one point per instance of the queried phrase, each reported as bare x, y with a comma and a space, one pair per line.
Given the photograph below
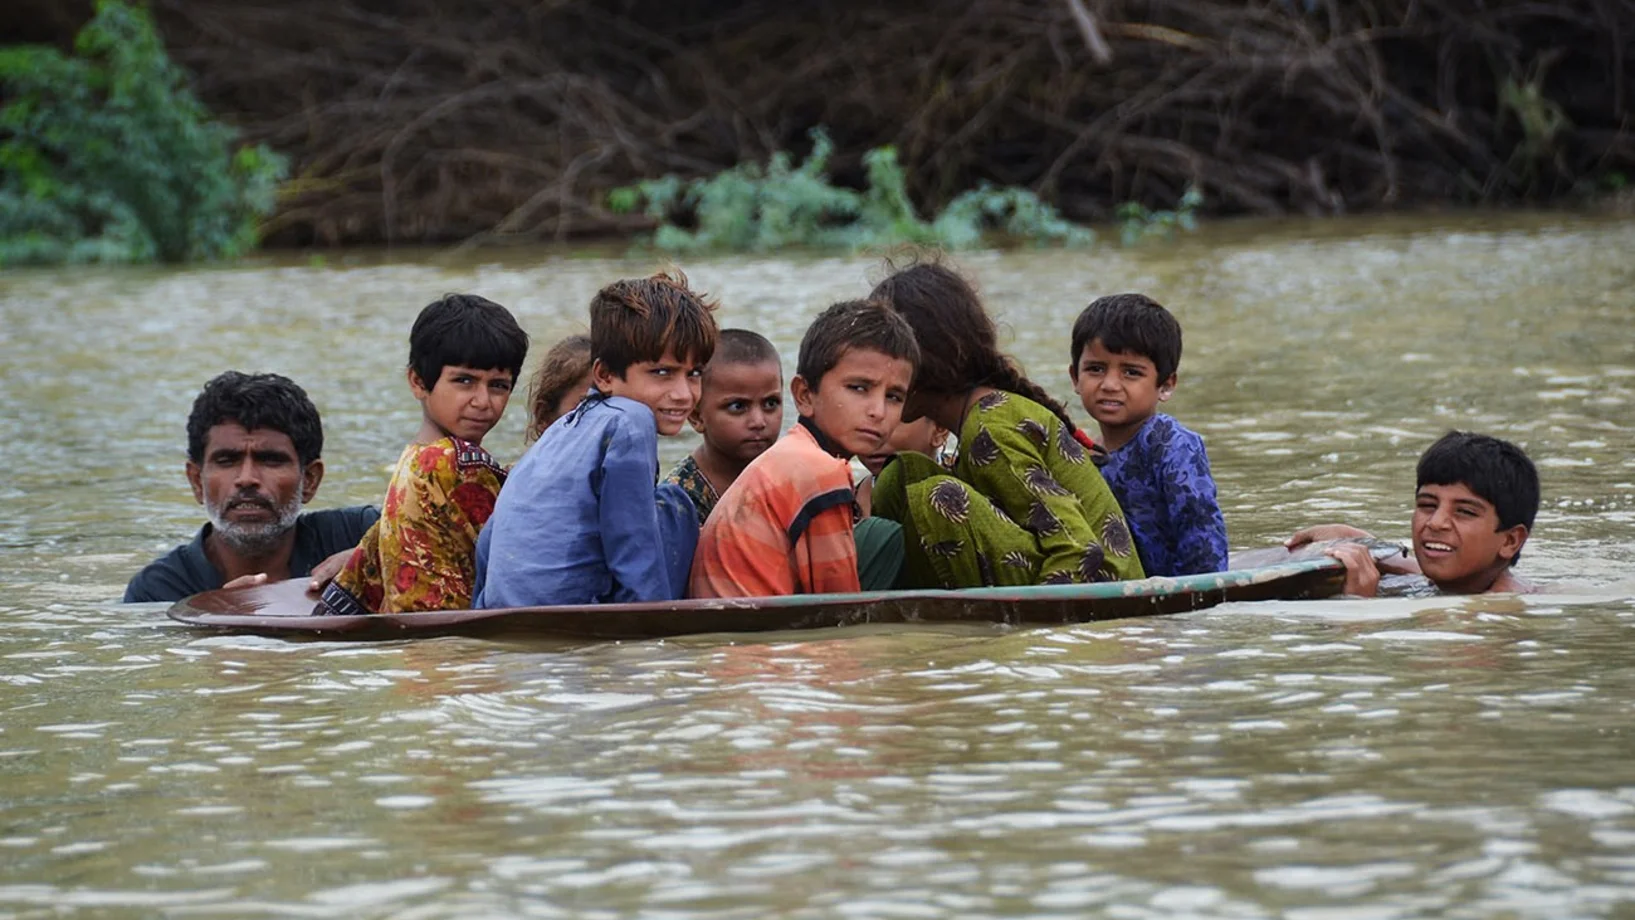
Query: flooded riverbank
1463, 757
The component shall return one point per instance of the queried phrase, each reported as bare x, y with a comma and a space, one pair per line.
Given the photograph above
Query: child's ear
805, 395
1073, 373
1166, 388
696, 420
1510, 541
417, 386
600, 376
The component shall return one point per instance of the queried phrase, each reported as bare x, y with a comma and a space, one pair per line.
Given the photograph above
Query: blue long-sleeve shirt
580, 520
1162, 481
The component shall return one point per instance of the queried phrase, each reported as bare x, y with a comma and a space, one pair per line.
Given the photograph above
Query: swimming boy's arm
1197, 525
1321, 532
627, 515
1362, 576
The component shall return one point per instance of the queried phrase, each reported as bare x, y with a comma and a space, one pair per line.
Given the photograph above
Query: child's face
921, 435
740, 409
859, 401
1457, 539
668, 386
464, 401
1119, 390
571, 396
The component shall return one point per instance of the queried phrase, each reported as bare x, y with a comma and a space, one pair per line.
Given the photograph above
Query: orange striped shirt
784, 527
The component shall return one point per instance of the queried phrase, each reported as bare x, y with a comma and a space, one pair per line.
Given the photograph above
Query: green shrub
1137, 223
751, 208
106, 156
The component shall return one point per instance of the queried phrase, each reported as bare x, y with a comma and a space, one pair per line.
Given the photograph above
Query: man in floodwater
253, 446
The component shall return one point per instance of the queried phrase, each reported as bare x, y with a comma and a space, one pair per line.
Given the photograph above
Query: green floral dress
1024, 505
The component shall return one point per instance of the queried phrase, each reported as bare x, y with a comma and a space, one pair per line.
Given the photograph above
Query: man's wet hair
1130, 324
741, 346
269, 401
640, 319
464, 330
866, 324
1496, 470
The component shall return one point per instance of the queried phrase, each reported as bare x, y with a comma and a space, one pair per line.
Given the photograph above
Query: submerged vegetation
1137, 222
751, 208
106, 156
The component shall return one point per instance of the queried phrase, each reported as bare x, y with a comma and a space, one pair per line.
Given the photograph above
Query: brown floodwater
1317, 760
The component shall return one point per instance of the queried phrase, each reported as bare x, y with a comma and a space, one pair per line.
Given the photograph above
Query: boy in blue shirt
1126, 349
580, 519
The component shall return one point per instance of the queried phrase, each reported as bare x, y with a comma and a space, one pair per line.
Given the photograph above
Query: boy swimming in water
1473, 511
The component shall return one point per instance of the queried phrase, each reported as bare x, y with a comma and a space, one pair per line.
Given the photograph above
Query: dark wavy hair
1130, 324
269, 401
1496, 470
959, 347
464, 330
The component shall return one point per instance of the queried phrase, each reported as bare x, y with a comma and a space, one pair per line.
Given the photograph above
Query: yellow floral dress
421, 554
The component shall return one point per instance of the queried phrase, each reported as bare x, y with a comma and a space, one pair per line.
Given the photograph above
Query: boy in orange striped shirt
786, 525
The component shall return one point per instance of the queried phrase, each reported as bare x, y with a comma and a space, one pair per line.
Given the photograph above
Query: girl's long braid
1005, 375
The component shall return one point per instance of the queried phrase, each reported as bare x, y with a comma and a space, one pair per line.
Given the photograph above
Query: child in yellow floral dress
465, 353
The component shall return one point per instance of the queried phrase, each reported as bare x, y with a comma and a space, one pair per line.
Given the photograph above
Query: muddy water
1394, 758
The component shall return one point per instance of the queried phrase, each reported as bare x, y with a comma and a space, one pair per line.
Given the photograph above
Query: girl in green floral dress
1024, 503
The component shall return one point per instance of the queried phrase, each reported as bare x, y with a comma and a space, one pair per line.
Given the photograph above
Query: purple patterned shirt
1161, 479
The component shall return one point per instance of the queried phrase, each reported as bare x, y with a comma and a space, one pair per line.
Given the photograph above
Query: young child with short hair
580, 520
562, 380
1474, 506
786, 526
921, 436
465, 353
1023, 504
1125, 353
739, 414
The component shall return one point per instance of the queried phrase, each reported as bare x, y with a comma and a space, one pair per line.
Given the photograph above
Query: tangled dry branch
435, 120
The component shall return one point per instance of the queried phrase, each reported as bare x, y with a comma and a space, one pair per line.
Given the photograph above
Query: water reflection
1404, 757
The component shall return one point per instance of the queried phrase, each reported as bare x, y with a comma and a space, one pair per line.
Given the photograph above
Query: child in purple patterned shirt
1125, 352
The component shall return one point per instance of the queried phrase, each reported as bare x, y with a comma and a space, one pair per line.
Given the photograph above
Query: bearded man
253, 458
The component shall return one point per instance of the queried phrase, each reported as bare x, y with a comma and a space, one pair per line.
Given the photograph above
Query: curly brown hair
566, 365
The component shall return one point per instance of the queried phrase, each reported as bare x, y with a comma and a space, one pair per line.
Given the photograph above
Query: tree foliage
107, 156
